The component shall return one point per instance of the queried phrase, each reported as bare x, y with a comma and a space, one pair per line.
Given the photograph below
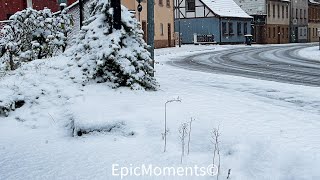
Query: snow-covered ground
268, 130
310, 53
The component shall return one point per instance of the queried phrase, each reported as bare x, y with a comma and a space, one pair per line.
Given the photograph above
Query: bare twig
229, 172
216, 152
52, 118
164, 135
183, 131
190, 125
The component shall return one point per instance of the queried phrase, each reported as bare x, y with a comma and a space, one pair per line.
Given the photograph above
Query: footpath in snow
269, 130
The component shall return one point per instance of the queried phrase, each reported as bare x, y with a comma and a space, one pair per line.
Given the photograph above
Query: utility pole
81, 12
150, 27
116, 5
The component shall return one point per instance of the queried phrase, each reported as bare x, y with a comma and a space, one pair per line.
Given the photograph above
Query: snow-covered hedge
120, 57
33, 35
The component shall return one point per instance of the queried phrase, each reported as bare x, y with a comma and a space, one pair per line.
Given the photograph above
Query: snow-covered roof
226, 8
314, 2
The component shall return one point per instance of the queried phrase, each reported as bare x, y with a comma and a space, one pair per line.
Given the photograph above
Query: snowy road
276, 63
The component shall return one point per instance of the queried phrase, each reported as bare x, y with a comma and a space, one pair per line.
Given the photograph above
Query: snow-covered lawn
310, 53
268, 130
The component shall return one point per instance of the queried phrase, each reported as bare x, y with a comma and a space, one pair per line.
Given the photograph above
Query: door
144, 29
169, 35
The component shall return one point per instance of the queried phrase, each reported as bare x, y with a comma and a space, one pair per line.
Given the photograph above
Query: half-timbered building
223, 20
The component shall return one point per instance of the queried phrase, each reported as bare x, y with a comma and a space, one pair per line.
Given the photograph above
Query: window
297, 13
282, 32
274, 10
305, 32
287, 32
231, 28
287, 12
282, 12
268, 10
224, 28
300, 13
190, 5
239, 28
269, 32
161, 29
161, 2
312, 31
245, 28
305, 14
168, 3
278, 11
274, 32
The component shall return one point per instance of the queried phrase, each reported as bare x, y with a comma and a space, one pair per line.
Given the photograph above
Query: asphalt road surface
275, 63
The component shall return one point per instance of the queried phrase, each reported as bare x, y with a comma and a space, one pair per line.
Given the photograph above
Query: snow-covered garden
74, 115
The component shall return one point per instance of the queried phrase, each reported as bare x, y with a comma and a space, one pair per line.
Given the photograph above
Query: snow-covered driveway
280, 63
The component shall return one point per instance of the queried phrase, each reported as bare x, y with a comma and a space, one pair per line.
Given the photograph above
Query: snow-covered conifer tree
33, 35
116, 56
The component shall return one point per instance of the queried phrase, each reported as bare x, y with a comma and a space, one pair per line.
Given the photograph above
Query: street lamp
139, 8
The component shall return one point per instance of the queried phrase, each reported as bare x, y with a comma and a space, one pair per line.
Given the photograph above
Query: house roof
314, 2
225, 8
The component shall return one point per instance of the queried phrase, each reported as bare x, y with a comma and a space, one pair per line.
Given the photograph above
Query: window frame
188, 2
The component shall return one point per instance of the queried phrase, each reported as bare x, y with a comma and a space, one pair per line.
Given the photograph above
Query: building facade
278, 22
314, 21
222, 20
163, 20
299, 21
271, 22
9, 7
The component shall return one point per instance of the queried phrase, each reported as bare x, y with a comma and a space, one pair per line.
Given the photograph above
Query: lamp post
150, 27
116, 5
139, 8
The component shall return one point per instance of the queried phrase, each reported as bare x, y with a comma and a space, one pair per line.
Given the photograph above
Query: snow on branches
119, 57
33, 35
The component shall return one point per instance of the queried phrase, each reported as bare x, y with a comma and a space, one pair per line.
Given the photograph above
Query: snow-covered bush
33, 35
119, 57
